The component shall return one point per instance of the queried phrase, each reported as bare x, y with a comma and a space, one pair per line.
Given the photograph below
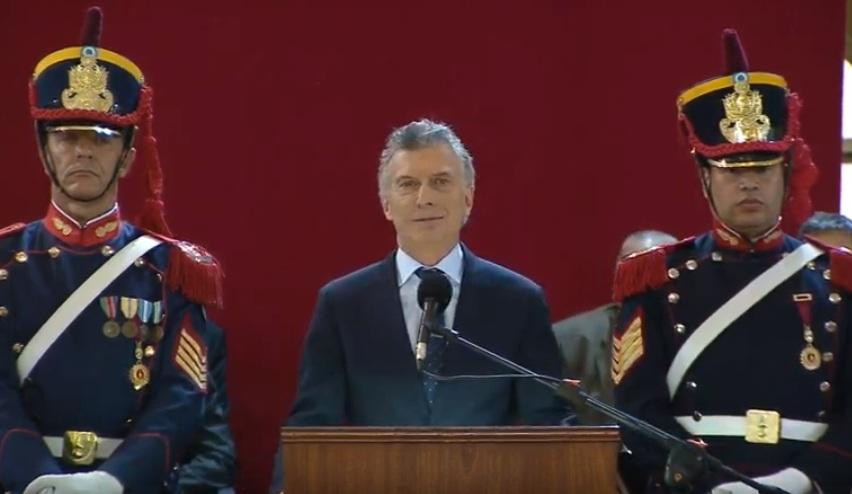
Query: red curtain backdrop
270, 118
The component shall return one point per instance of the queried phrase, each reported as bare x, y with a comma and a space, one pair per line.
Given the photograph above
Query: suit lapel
466, 307
389, 322
388, 316
469, 321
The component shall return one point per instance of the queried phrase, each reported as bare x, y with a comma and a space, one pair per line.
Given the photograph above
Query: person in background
829, 228
585, 339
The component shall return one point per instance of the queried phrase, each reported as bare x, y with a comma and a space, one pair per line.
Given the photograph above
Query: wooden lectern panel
463, 460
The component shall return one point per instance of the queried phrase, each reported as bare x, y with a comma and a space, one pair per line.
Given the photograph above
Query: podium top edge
604, 434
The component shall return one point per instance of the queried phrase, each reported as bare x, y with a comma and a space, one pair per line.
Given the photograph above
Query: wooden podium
456, 460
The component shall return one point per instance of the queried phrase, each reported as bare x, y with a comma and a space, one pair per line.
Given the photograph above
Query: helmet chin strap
708, 194
51, 170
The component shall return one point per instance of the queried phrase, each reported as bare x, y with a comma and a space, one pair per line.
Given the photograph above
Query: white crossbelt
734, 425
106, 446
731, 310
84, 295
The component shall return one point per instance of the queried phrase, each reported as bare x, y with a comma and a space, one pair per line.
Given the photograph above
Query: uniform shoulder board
193, 271
839, 264
12, 229
644, 270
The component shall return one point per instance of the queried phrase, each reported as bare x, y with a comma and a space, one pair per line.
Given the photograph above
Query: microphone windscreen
435, 285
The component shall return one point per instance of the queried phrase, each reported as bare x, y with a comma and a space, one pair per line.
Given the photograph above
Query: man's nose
84, 146
424, 195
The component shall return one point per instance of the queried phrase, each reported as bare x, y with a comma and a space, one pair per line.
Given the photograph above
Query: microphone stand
686, 461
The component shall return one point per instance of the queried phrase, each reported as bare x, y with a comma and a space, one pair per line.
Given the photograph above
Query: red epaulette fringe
193, 271
839, 262
643, 271
12, 229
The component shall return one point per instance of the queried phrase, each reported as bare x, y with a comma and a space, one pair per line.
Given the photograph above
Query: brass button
4, 311
691, 265
821, 414
149, 351
834, 298
692, 385
673, 273
21, 256
696, 415
831, 326
811, 265
18, 348
140, 262
680, 328
827, 357
824, 386
673, 298
53, 251
4, 274
107, 251
827, 274
716, 256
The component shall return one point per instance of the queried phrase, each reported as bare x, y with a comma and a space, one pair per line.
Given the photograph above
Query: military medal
140, 376
128, 308
156, 333
109, 306
809, 357
146, 311
111, 329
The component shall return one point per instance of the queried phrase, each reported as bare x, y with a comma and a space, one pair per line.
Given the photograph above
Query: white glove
789, 479
41, 485
76, 483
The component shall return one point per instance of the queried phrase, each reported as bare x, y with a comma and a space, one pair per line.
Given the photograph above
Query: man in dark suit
358, 365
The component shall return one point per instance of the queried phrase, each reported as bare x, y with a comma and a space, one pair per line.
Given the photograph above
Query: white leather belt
106, 446
733, 425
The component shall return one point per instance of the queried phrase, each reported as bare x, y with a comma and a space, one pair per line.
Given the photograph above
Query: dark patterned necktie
434, 351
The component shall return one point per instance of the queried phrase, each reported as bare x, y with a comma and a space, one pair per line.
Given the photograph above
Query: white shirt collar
451, 265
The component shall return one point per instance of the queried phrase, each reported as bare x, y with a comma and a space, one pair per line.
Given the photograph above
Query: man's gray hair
825, 222
421, 134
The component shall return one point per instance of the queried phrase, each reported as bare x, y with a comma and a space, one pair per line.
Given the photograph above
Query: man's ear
127, 164
704, 176
41, 147
386, 209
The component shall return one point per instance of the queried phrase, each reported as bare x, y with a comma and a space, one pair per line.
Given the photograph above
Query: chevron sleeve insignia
190, 355
627, 347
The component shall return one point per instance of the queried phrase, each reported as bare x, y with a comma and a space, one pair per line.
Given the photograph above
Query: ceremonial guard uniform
102, 332
742, 343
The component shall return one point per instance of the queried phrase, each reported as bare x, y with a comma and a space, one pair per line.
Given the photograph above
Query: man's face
427, 197
747, 199
84, 161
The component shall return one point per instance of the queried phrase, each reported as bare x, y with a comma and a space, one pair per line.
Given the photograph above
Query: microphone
433, 296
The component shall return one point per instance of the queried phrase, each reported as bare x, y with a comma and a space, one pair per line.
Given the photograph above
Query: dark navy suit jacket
358, 367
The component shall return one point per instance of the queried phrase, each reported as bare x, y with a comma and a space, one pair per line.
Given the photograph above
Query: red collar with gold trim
97, 231
729, 239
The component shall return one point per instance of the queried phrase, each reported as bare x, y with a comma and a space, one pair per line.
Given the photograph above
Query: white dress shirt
408, 282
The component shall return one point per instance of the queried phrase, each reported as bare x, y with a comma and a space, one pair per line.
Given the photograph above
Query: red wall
270, 120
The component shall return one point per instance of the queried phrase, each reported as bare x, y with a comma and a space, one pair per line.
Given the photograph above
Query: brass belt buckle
79, 447
763, 426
